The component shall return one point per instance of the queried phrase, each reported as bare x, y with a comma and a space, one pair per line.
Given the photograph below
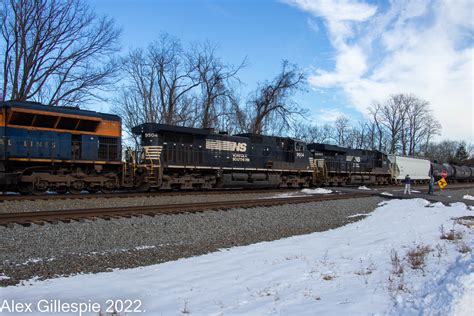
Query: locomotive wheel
25, 188
76, 187
108, 187
40, 188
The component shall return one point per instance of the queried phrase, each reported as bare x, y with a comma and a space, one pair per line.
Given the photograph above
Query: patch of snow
358, 215
463, 298
301, 193
414, 191
364, 188
316, 191
9, 193
468, 197
448, 293
31, 260
386, 193
144, 247
336, 272
286, 195
4, 277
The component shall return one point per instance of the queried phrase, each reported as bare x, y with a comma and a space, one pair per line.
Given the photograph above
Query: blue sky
355, 52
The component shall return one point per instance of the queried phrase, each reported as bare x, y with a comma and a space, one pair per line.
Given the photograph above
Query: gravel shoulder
92, 246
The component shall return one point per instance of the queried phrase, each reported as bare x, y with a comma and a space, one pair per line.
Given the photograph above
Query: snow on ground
350, 270
316, 191
468, 197
303, 192
363, 187
386, 193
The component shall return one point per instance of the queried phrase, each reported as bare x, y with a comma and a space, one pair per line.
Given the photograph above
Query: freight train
66, 149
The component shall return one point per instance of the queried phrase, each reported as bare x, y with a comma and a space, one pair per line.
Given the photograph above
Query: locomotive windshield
299, 147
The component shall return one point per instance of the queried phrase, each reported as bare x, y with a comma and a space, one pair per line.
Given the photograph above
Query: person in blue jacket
431, 185
407, 182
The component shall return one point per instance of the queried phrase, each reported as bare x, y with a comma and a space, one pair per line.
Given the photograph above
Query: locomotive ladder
153, 155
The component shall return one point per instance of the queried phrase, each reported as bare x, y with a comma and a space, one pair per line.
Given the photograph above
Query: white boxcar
418, 169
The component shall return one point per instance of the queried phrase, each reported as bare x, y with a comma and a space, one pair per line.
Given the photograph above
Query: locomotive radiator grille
315, 163
152, 152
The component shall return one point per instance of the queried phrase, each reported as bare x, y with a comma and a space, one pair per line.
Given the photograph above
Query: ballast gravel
92, 246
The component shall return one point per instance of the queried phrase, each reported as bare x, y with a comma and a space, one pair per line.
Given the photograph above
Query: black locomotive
187, 158
351, 166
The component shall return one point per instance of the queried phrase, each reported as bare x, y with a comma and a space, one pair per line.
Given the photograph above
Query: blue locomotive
58, 148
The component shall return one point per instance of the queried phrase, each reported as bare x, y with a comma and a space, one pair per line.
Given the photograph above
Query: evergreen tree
461, 153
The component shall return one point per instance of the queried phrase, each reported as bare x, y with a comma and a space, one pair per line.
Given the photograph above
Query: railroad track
66, 216
173, 193
86, 196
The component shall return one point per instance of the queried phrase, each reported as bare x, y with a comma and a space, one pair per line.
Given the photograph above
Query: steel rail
135, 194
41, 217
174, 193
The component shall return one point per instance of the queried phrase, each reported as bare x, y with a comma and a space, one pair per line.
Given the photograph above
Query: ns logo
226, 145
240, 147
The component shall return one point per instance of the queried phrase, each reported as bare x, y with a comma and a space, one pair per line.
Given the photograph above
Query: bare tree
362, 132
161, 80
377, 129
55, 52
407, 122
391, 115
172, 84
314, 133
216, 81
270, 108
342, 126
431, 127
443, 151
419, 119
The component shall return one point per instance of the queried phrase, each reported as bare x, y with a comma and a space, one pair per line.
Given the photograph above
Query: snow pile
364, 188
303, 192
346, 271
286, 195
316, 191
386, 193
468, 197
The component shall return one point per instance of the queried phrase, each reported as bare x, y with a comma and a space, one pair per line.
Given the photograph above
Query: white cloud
328, 115
341, 10
418, 47
313, 25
